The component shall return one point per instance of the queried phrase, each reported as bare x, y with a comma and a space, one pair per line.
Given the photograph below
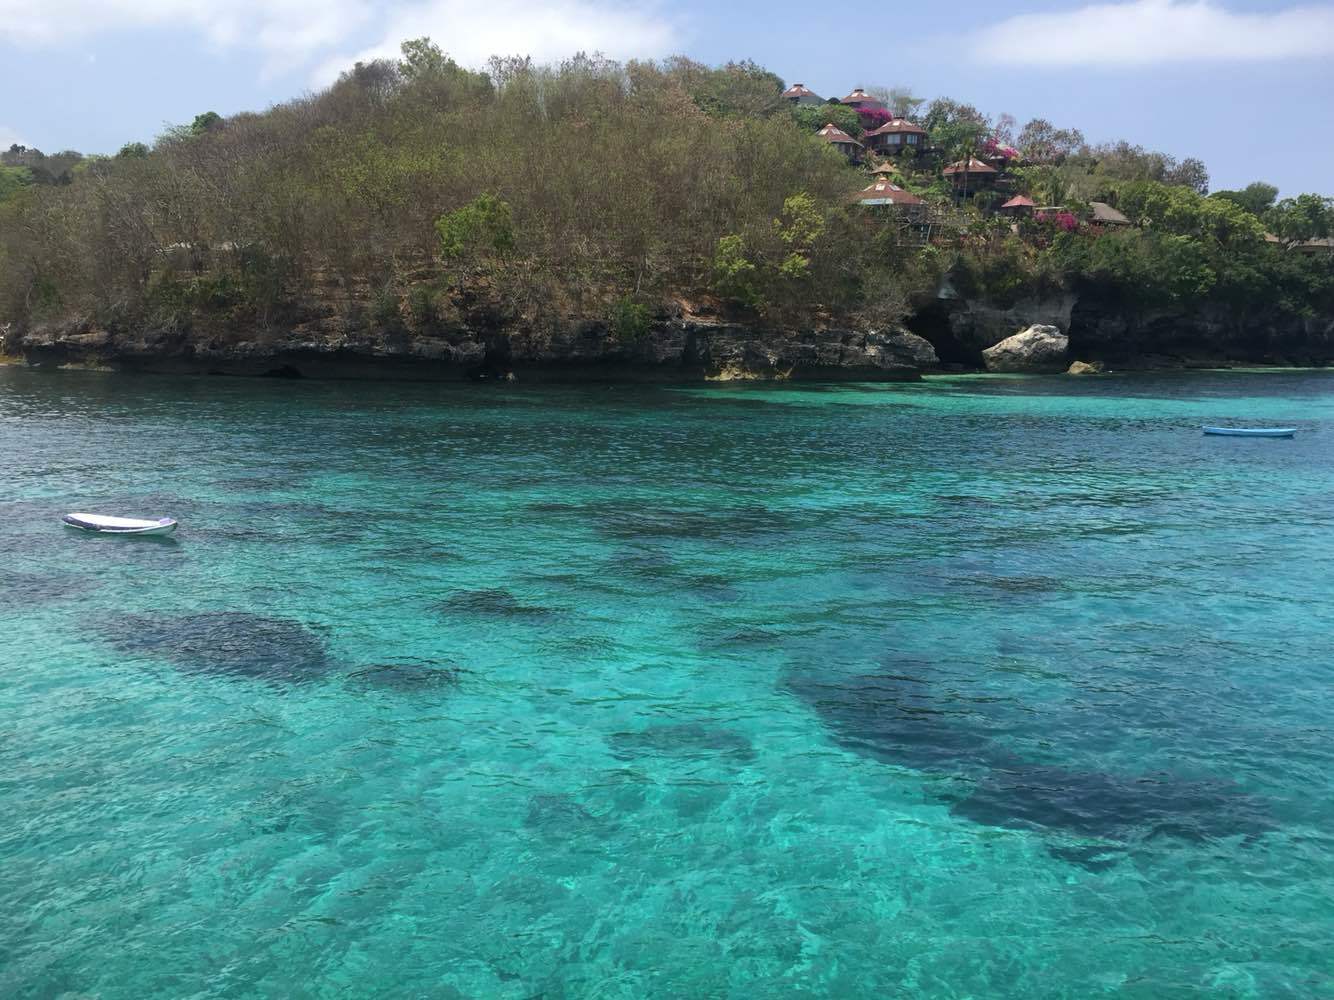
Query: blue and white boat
1255, 432
120, 525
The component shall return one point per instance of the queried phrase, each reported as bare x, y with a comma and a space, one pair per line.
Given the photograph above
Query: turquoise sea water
980, 687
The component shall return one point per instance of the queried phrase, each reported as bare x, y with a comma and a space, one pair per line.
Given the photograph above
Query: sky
1245, 85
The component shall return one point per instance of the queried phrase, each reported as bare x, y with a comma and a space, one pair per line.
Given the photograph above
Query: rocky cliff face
1122, 337
677, 349
948, 332
1119, 336
961, 329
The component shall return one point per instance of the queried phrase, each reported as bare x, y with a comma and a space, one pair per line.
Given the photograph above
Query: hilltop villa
886, 192
886, 134
971, 174
841, 141
799, 93
896, 134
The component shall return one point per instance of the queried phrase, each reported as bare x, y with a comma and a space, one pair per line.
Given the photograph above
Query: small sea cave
284, 371
932, 323
496, 364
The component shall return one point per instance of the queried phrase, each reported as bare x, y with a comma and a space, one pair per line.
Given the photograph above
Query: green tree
735, 275
944, 112
813, 117
422, 58
735, 89
1190, 173
1256, 198
1041, 142
1305, 217
206, 122
483, 227
433, 77
12, 181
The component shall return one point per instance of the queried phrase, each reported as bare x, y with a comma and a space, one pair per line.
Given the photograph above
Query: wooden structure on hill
799, 94
841, 141
886, 192
1102, 215
896, 134
1018, 207
970, 175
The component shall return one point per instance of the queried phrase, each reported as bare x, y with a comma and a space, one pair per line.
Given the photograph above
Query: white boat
120, 525
1252, 432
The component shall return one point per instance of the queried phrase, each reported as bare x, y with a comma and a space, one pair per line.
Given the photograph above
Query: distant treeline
417, 194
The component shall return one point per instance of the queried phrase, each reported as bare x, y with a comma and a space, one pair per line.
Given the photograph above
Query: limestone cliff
1120, 336
678, 349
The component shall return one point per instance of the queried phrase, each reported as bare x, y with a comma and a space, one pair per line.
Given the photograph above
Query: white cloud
470, 31
298, 28
8, 137
294, 34
1143, 32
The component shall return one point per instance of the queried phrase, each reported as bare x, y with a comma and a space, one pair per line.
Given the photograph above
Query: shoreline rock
672, 350
1085, 368
1040, 348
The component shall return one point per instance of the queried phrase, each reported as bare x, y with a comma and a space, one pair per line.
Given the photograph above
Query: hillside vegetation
420, 195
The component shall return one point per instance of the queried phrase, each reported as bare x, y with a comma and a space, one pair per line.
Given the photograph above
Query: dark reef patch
553, 507
901, 719
24, 589
663, 523
739, 638
713, 589
494, 603
1118, 807
688, 739
560, 815
645, 564
406, 675
226, 643
898, 719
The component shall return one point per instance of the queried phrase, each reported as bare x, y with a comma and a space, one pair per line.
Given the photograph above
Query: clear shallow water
974, 688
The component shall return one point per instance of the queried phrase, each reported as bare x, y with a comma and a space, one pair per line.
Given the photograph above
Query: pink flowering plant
993, 147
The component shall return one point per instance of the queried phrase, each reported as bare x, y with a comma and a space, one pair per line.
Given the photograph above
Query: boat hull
98, 524
1258, 432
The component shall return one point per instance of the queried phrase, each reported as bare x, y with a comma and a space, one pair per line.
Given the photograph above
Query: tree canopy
418, 193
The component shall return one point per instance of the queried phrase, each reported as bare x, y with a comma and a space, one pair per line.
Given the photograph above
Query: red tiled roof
1019, 201
973, 166
860, 96
799, 90
897, 125
832, 133
884, 192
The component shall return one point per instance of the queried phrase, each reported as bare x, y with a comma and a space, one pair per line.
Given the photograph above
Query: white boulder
1040, 348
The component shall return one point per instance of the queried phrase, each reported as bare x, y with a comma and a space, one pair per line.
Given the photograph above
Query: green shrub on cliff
13, 180
630, 320
735, 275
482, 228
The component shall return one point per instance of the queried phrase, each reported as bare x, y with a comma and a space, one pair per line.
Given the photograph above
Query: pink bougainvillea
1064, 221
992, 147
874, 117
